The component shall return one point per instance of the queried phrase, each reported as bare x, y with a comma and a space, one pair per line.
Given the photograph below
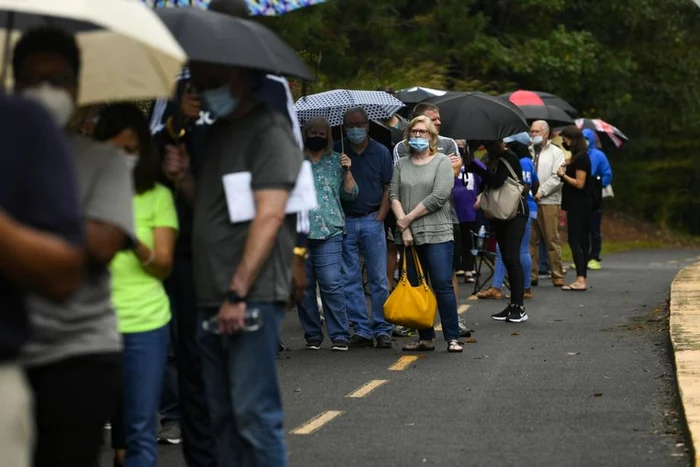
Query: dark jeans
596, 237
544, 259
73, 399
466, 229
170, 397
509, 235
436, 261
578, 228
197, 441
240, 375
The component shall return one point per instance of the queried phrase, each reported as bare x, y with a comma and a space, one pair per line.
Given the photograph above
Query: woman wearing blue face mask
419, 195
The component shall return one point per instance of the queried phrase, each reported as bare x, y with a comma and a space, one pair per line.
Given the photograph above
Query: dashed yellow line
462, 309
367, 388
473, 297
316, 423
403, 363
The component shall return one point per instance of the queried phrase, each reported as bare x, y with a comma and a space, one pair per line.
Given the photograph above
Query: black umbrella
211, 37
478, 116
418, 94
547, 98
553, 115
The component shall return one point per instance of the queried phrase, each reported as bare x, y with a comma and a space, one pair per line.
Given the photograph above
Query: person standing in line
421, 188
602, 178
243, 271
577, 201
334, 182
372, 170
74, 357
40, 217
503, 163
547, 159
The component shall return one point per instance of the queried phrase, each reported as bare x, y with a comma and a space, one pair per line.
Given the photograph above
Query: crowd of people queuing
116, 251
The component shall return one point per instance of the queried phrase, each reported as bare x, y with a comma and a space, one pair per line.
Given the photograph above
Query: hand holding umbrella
345, 162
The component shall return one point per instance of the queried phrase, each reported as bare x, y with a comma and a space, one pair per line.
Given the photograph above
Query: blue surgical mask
419, 144
219, 102
537, 140
356, 135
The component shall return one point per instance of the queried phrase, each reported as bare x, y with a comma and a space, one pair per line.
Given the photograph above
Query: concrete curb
684, 328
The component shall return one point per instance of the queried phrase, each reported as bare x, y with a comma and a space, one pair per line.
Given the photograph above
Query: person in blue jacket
601, 171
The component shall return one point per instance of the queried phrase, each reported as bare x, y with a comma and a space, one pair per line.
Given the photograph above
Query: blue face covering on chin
356, 135
220, 102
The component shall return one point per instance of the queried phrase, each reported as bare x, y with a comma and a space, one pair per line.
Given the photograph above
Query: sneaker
594, 265
535, 283
340, 346
545, 275
464, 331
359, 341
459, 273
313, 345
517, 314
502, 316
383, 342
281, 347
170, 433
400, 331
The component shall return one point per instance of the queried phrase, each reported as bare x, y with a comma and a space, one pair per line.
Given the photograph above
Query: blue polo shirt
37, 189
372, 171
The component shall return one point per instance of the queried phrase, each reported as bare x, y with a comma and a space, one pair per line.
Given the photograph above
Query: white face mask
536, 140
131, 161
57, 101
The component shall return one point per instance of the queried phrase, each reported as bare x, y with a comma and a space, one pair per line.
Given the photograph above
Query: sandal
491, 294
454, 346
573, 288
418, 346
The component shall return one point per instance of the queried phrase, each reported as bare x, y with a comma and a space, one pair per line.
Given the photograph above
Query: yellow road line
316, 423
462, 309
473, 297
438, 327
367, 388
403, 362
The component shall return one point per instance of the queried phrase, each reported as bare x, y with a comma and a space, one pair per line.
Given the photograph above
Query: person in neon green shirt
142, 305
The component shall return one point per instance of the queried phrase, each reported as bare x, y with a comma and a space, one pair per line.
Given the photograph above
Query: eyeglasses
355, 125
419, 132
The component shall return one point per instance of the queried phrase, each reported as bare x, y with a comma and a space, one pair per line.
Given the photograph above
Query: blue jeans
323, 266
240, 376
145, 355
366, 235
499, 274
436, 261
545, 268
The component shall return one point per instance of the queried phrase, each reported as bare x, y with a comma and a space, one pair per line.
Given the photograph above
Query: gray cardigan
432, 185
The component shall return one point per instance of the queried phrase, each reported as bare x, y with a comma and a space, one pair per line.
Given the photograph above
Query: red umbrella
535, 108
545, 97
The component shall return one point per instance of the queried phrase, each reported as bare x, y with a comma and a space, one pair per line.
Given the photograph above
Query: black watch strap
233, 297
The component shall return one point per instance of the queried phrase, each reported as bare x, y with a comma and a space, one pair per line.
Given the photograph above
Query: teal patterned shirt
328, 219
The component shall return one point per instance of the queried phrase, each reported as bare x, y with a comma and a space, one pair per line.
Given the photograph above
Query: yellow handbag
408, 306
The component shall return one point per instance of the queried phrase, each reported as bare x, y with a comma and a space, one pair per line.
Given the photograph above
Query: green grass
616, 247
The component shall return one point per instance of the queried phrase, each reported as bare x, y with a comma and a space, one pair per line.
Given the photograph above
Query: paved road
586, 382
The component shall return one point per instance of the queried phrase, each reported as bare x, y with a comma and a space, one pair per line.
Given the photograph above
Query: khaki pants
547, 227
16, 420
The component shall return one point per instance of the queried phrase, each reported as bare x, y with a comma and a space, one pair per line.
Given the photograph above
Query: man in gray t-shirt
242, 271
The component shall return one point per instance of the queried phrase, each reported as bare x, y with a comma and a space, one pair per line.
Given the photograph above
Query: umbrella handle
6, 50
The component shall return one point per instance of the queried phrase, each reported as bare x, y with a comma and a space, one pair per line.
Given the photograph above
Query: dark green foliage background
635, 63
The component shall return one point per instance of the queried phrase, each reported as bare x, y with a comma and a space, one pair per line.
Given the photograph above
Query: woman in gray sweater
419, 196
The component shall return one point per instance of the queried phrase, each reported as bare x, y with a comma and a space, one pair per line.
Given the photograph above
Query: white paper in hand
241, 203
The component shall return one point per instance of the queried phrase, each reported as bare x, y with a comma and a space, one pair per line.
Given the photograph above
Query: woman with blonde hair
419, 195
334, 184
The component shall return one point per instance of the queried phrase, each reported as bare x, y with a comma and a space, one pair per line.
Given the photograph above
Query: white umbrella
127, 52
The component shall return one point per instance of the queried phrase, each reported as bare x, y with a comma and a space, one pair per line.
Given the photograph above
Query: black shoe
502, 316
517, 314
535, 283
340, 346
383, 342
313, 345
359, 341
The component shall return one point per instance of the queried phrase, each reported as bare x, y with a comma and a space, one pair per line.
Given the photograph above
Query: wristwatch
302, 253
233, 297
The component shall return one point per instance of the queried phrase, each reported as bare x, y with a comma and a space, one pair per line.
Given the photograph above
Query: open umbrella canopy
523, 97
606, 132
256, 7
332, 105
213, 37
478, 116
418, 94
126, 51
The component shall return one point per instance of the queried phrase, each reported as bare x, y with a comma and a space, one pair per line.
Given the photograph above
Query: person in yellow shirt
140, 300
